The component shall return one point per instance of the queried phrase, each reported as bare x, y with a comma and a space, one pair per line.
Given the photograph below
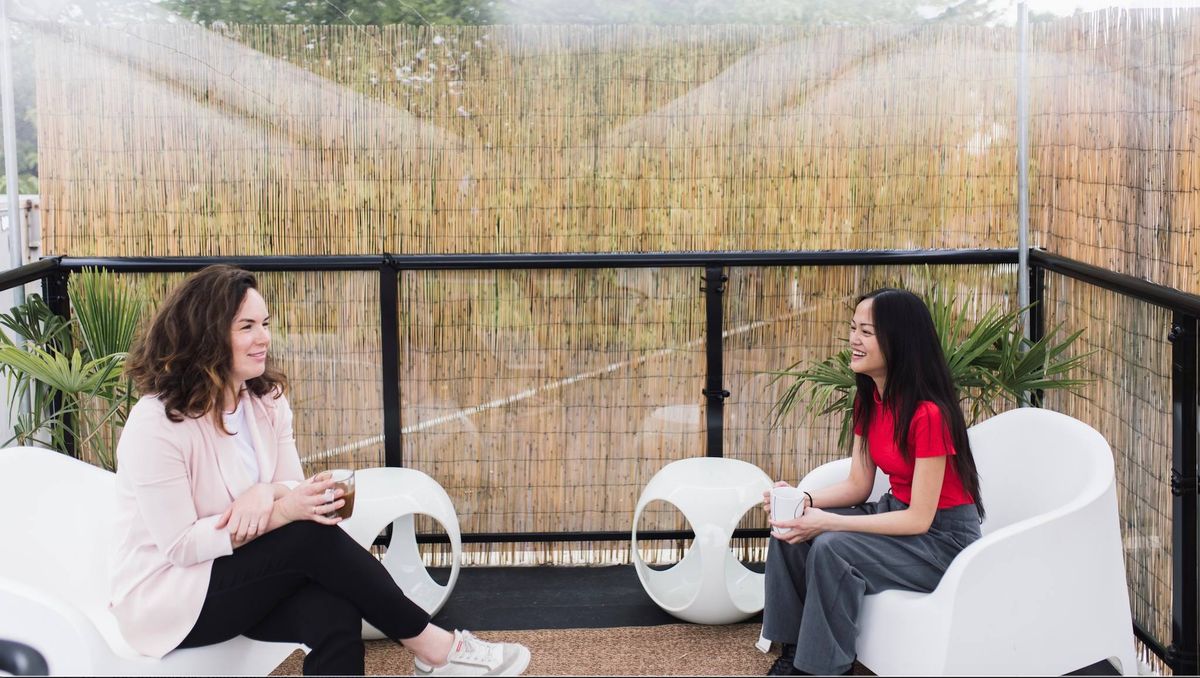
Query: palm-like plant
991, 362
73, 370
107, 312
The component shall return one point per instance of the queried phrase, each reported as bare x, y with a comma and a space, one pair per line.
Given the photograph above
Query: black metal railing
1183, 651
1180, 653
55, 271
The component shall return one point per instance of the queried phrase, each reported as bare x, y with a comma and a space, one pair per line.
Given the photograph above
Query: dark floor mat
520, 598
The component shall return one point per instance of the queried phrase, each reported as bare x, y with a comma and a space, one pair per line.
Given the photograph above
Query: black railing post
1185, 575
714, 389
1037, 316
389, 329
54, 291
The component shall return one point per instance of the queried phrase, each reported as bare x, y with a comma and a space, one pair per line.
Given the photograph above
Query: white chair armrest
1024, 576
63, 634
825, 475
835, 472
1005, 551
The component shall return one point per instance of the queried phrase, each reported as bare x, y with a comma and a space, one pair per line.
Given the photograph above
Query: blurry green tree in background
323, 12
376, 12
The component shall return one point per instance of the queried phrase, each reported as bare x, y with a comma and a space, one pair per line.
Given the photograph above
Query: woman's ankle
432, 646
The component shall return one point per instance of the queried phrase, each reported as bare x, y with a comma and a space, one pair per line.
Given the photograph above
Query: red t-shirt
928, 436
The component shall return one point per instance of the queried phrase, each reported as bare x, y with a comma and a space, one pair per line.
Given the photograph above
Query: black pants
305, 583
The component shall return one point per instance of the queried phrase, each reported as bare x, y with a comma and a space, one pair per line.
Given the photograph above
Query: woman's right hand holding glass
315, 499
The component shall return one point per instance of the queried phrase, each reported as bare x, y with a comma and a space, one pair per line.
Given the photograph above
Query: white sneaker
470, 656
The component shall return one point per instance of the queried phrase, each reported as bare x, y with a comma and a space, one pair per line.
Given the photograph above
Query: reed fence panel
1129, 402
780, 315
1115, 142
344, 139
325, 336
543, 399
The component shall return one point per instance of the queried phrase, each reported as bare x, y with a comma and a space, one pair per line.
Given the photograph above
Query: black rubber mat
519, 598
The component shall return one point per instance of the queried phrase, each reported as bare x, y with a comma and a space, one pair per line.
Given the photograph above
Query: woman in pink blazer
219, 532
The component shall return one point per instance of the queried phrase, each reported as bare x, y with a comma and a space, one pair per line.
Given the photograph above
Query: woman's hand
767, 496
249, 514
812, 523
314, 499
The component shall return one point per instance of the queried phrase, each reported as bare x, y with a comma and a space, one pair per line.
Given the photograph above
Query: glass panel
777, 317
544, 400
325, 337
1129, 402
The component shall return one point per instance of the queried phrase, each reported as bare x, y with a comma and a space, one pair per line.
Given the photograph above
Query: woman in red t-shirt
907, 422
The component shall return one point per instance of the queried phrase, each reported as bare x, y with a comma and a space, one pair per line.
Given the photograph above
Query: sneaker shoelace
472, 650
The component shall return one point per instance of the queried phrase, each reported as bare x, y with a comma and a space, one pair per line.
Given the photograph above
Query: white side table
395, 495
710, 585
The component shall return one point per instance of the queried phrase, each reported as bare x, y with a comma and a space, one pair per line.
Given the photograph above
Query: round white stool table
710, 585
395, 495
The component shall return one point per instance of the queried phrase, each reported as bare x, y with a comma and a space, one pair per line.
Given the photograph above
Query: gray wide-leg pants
815, 589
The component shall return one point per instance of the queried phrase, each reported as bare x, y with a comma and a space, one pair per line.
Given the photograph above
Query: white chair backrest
57, 533
1032, 461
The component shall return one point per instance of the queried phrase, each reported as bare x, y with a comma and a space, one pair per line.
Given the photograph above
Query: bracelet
811, 503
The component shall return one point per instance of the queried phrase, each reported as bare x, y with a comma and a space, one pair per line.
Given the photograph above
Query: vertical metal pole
15, 254
1185, 573
1036, 328
389, 328
8, 104
1023, 161
714, 389
54, 290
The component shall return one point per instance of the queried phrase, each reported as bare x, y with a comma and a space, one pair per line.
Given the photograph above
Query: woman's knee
829, 545
299, 530
784, 557
312, 535
305, 541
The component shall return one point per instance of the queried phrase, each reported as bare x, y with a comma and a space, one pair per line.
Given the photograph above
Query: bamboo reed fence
294, 139
1114, 135
790, 314
1129, 402
1114, 172
543, 400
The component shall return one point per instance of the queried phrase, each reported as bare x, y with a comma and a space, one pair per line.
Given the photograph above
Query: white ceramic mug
786, 503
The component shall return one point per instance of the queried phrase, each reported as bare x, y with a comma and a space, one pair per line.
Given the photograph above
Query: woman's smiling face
249, 338
865, 355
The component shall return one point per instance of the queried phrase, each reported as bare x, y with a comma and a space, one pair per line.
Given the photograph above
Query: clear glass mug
343, 479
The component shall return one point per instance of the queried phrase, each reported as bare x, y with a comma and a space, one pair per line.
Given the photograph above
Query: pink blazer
173, 482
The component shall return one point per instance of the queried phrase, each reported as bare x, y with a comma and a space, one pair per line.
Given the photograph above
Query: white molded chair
710, 585
1043, 591
54, 580
395, 495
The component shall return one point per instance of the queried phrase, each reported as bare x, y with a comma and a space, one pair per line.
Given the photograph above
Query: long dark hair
916, 372
184, 356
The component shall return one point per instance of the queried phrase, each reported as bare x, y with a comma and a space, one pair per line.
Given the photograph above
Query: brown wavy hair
184, 356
